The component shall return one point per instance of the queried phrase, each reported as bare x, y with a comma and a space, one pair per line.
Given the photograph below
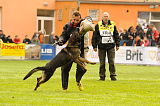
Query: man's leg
65, 75
111, 58
79, 74
102, 59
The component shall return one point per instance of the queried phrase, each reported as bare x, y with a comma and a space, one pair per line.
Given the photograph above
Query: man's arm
116, 37
95, 38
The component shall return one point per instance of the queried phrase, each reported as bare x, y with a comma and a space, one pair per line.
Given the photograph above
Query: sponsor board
12, 51
131, 55
47, 52
32, 51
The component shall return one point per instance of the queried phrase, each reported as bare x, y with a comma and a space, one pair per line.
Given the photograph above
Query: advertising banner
152, 55
92, 56
131, 55
12, 51
32, 51
0, 46
47, 52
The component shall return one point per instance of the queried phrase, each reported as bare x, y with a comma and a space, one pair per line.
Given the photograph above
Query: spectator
26, 40
16, 39
138, 27
155, 34
36, 34
150, 35
145, 41
2, 36
124, 37
9, 39
145, 32
149, 32
130, 41
132, 32
41, 37
137, 41
131, 35
153, 42
51, 38
35, 40
139, 31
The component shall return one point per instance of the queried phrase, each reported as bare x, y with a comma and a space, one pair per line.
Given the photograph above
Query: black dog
70, 53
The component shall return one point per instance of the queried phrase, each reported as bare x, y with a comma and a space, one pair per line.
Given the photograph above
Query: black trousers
66, 69
102, 59
65, 74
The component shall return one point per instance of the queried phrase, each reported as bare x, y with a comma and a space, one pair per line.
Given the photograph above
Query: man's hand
60, 43
117, 48
95, 49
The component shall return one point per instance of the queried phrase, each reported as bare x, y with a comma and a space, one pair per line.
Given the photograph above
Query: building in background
19, 17
24, 17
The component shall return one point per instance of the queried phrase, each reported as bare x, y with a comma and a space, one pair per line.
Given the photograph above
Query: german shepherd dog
70, 53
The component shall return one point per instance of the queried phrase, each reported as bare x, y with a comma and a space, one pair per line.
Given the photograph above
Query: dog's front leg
80, 63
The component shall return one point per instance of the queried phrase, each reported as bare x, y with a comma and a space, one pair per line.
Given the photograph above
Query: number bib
106, 36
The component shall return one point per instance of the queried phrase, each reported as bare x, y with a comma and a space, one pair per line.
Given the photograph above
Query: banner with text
131, 55
47, 52
12, 51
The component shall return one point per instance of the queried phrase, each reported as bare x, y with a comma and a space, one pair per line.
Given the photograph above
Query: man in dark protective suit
73, 25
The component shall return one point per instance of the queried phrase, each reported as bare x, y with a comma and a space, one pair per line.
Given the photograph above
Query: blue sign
47, 52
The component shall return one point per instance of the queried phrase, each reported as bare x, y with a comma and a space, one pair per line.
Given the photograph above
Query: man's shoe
65, 89
80, 87
102, 79
113, 78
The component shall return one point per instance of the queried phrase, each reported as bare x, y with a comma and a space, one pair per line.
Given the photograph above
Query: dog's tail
33, 71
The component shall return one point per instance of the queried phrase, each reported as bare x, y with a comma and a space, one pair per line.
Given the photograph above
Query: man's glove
60, 43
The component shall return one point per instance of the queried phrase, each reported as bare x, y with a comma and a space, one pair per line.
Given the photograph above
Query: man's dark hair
76, 14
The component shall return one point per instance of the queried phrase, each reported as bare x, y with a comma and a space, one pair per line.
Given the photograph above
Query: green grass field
136, 86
